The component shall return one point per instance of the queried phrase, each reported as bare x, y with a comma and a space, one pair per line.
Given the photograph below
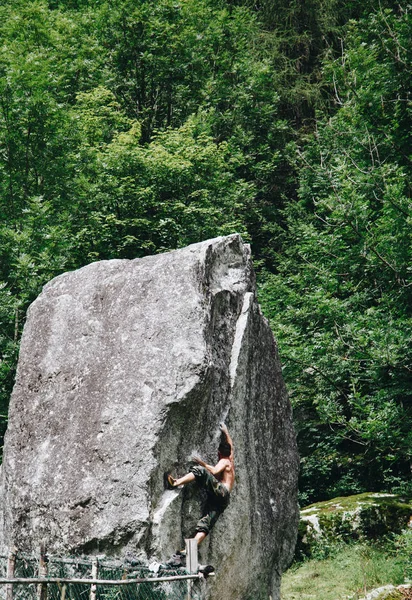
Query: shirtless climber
218, 482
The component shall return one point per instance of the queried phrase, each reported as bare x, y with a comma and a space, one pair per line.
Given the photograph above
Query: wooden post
43, 572
11, 565
192, 564
93, 587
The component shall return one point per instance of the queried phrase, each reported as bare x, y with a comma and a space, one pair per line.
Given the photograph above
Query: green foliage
326, 526
9, 316
348, 571
176, 190
42, 64
129, 128
340, 304
168, 58
171, 60
83, 174
403, 550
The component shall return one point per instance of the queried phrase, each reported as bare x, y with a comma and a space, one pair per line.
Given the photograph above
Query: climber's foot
177, 560
169, 481
206, 570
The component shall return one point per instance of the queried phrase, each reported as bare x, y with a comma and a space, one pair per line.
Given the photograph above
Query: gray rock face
126, 369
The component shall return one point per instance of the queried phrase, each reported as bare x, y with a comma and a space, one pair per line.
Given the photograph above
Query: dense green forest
131, 127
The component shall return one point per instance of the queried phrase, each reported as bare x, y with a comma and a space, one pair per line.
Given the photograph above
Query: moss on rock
392, 595
368, 515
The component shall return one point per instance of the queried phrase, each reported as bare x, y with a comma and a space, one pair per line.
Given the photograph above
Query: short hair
225, 449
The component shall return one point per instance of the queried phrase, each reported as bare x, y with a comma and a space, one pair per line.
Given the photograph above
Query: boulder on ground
389, 592
126, 369
363, 516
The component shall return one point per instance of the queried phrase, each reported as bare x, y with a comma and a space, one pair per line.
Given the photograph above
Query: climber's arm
215, 470
229, 440
202, 463
220, 466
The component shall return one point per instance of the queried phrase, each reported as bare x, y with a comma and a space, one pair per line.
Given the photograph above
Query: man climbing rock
217, 481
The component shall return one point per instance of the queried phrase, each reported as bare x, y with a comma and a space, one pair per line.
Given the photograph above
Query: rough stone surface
389, 592
366, 516
126, 369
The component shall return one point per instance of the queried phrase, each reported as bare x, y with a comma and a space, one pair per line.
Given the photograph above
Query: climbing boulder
126, 369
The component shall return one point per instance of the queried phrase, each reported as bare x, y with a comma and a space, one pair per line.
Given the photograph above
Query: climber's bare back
227, 475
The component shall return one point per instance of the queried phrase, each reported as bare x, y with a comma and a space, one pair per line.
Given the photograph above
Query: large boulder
126, 369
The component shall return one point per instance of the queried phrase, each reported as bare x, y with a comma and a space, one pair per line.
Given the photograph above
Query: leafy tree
164, 57
76, 182
171, 60
341, 303
41, 66
180, 188
129, 128
9, 323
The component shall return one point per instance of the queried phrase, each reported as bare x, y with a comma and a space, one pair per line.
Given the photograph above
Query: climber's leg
181, 481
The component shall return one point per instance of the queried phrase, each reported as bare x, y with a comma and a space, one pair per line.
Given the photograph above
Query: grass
349, 573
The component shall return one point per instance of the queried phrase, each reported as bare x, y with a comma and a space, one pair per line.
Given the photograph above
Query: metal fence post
11, 565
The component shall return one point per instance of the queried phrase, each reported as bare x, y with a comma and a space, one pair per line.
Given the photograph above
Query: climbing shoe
206, 569
168, 481
177, 560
